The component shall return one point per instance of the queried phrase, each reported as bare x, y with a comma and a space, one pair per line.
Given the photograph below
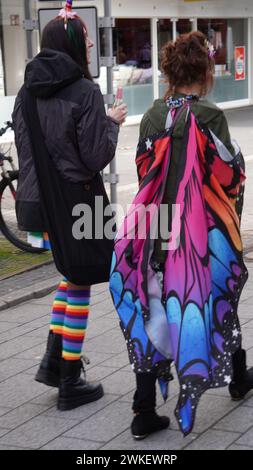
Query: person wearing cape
177, 291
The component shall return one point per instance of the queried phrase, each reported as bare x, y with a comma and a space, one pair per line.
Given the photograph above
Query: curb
37, 290
28, 270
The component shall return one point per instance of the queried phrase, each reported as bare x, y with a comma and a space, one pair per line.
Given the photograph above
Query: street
28, 415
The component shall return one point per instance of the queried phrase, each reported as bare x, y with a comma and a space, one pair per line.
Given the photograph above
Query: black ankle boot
242, 381
49, 369
148, 422
74, 391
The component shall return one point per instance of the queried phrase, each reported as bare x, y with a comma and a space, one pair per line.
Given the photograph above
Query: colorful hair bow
67, 14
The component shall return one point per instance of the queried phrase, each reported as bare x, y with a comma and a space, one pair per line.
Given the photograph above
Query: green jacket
208, 113
154, 121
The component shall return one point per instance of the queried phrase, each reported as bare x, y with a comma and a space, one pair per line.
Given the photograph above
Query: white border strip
133, 120
227, 105
249, 158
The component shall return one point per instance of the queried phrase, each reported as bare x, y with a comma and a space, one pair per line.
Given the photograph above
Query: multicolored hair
71, 41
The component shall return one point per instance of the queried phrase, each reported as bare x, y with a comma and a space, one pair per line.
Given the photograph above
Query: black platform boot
146, 420
74, 391
242, 381
49, 369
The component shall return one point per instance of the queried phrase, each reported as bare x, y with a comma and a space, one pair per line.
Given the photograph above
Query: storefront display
138, 65
227, 35
134, 72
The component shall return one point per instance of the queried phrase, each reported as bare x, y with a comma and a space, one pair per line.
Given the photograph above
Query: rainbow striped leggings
69, 318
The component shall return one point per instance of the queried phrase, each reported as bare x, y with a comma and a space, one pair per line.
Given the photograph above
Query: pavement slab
29, 418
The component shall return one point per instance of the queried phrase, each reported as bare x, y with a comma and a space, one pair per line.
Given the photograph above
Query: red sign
240, 63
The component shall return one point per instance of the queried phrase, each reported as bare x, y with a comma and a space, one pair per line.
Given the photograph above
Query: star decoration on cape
148, 144
235, 333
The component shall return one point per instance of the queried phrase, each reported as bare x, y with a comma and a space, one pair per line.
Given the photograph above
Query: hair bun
186, 61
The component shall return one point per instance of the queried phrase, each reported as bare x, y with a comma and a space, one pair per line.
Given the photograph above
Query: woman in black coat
64, 139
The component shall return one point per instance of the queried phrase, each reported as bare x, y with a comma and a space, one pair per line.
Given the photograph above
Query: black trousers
145, 395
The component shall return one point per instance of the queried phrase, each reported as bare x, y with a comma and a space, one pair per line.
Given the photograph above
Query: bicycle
8, 188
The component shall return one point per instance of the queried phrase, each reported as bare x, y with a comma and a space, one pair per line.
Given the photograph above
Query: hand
119, 113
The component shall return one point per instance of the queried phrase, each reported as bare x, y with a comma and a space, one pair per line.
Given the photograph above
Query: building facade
141, 29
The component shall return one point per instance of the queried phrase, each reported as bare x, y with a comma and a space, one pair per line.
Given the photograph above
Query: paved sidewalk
28, 415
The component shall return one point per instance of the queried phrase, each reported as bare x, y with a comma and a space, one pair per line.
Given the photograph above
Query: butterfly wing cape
192, 319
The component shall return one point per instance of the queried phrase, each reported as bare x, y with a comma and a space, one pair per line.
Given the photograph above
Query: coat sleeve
233, 177
146, 128
97, 134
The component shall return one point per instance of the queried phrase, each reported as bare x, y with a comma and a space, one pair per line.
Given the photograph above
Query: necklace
177, 102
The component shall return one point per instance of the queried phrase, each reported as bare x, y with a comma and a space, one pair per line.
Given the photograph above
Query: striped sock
59, 307
75, 323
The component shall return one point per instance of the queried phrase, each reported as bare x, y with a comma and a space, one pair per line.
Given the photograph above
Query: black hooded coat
64, 139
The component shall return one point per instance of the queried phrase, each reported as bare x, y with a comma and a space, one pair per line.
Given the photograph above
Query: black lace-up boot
49, 369
74, 390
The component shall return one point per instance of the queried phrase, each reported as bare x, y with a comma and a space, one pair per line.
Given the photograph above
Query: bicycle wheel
8, 220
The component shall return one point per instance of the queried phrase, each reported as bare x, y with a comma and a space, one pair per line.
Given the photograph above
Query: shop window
165, 34
184, 25
230, 40
133, 70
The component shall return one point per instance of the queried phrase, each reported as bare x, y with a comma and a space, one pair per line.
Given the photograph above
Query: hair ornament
210, 48
67, 14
